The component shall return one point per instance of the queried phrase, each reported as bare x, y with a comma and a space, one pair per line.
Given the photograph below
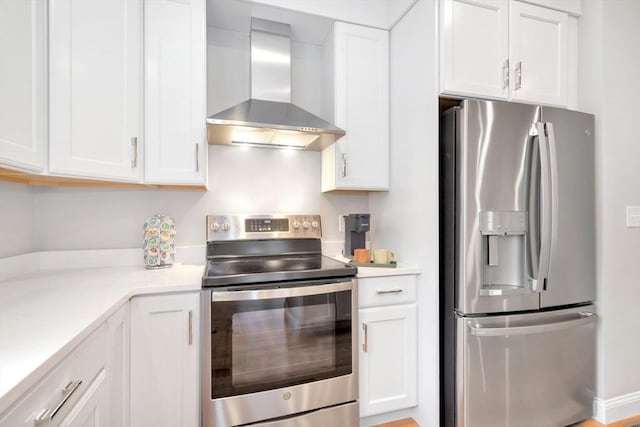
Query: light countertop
45, 314
364, 272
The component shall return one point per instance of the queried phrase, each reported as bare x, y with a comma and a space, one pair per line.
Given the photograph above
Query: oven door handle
275, 293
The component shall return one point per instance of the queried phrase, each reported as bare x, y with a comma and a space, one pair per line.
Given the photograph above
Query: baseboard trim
617, 408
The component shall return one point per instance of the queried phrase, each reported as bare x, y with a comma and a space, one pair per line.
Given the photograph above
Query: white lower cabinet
165, 360
72, 394
388, 344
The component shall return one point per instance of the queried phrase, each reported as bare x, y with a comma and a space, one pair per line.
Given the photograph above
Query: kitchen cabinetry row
507, 49
124, 98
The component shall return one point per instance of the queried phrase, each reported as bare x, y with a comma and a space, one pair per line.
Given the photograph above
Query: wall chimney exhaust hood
269, 119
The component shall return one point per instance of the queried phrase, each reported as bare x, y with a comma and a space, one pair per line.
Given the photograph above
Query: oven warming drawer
342, 415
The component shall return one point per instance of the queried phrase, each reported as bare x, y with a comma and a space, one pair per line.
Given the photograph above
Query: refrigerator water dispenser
504, 252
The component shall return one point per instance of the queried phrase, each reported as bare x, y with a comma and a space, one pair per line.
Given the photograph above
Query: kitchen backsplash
241, 180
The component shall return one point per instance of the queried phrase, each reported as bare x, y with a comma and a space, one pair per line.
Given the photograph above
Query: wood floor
405, 422
628, 422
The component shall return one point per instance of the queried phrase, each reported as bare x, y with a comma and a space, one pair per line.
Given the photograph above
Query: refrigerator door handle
582, 318
538, 283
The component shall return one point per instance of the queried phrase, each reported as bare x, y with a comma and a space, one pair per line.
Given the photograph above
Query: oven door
279, 349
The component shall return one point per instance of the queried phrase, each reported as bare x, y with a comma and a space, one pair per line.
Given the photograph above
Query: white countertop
44, 314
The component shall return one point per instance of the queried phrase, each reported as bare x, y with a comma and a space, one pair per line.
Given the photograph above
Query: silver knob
305, 224
215, 226
315, 224
226, 226
296, 225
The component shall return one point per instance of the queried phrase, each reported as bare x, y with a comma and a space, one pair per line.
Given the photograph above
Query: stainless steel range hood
269, 119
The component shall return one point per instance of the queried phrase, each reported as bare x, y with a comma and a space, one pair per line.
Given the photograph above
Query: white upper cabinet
475, 47
501, 49
22, 84
175, 92
539, 49
360, 159
95, 89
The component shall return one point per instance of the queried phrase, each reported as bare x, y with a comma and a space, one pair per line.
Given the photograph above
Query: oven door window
259, 345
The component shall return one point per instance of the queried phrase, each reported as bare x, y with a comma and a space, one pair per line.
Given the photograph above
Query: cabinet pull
190, 327
505, 74
47, 415
365, 343
344, 165
134, 145
389, 291
197, 157
518, 75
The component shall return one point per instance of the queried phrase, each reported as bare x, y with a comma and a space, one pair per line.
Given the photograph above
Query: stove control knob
305, 224
296, 225
226, 226
315, 224
215, 226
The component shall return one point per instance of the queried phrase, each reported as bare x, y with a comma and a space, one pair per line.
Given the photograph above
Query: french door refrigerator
517, 274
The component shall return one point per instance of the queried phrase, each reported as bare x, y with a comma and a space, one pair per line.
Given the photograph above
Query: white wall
241, 180
17, 219
406, 218
609, 87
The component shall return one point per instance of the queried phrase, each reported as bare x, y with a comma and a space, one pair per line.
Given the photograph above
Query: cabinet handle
344, 165
365, 343
190, 327
505, 74
518, 75
134, 145
197, 157
390, 291
47, 415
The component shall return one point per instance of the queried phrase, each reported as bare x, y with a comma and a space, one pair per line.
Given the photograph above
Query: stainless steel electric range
279, 324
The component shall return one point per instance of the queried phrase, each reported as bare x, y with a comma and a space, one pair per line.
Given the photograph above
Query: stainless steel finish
343, 415
190, 327
197, 157
505, 74
344, 165
47, 415
572, 264
546, 201
281, 292
232, 227
580, 318
270, 60
243, 409
493, 251
493, 199
535, 370
269, 118
365, 339
389, 291
518, 75
134, 147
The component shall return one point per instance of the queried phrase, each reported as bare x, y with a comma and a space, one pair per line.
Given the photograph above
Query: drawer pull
389, 291
365, 344
47, 415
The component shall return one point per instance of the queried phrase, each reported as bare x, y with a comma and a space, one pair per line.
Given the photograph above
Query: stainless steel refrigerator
517, 265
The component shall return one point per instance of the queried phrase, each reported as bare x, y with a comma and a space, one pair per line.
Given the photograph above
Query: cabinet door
95, 90
474, 48
117, 367
22, 84
91, 409
175, 92
164, 361
388, 358
360, 159
539, 48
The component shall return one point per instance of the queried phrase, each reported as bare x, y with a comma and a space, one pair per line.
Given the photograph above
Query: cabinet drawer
374, 291
82, 364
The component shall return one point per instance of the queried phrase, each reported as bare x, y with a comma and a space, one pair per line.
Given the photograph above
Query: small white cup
383, 256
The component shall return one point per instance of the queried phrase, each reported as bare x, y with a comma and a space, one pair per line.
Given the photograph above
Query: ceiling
311, 20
